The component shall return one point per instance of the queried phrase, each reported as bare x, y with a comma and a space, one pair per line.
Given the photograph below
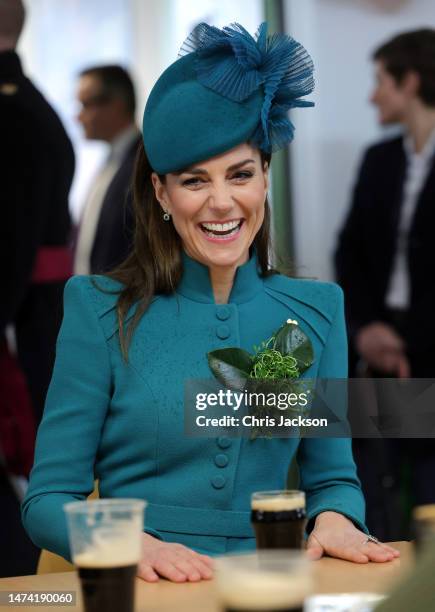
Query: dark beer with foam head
105, 542
107, 584
278, 518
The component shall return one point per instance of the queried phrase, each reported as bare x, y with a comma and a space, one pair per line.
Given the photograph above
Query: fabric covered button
218, 482
224, 442
223, 332
223, 313
221, 460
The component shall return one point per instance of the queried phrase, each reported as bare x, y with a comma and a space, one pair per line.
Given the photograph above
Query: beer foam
108, 549
106, 559
260, 591
279, 503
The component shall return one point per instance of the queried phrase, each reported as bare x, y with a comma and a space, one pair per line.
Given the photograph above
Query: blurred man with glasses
107, 107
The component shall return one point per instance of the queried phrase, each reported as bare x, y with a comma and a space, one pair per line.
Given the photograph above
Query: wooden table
330, 576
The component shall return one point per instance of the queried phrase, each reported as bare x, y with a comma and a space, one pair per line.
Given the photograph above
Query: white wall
330, 138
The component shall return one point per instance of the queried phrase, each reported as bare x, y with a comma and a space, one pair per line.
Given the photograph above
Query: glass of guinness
105, 544
423, 523
265, 581
278, 518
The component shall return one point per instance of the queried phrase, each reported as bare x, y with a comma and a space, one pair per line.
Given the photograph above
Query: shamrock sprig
286, 354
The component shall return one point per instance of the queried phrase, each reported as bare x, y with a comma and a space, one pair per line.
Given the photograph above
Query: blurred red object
17, 423
52, 264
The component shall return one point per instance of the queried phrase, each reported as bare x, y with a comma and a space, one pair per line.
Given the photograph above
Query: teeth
221, 227
222, 236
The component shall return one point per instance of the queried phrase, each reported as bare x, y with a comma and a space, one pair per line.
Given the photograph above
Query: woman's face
217, 206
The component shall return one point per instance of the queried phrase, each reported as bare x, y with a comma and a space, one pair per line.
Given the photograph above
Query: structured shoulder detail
313, 302
104, 293
101, 294
322, 297
101, 290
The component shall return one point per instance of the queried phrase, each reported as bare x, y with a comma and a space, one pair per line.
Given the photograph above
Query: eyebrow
191, 170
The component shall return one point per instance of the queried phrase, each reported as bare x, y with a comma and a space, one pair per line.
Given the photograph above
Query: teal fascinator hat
226, 88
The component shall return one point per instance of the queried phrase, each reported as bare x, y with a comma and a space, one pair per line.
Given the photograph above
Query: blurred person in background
386, 266
37, 166
107, 98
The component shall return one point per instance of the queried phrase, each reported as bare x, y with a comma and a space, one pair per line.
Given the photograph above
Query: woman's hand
337, 536
173, 561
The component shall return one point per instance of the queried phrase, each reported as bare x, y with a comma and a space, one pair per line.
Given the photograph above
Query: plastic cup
105, 544
423, 523
265, 581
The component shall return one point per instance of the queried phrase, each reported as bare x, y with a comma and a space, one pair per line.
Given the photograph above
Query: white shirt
418, 166
95, 199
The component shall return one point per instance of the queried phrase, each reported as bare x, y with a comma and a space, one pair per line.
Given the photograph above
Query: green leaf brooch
271, 370
286, 355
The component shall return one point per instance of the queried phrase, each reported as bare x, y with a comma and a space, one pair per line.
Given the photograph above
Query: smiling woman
198, 280
217, 208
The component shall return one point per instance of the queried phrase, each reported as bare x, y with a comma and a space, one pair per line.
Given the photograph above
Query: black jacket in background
367, 243
37, 167
114, 233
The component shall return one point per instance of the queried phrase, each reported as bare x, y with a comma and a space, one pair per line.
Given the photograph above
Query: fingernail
182, 577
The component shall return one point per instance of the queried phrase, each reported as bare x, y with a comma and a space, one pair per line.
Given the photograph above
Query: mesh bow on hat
228, 87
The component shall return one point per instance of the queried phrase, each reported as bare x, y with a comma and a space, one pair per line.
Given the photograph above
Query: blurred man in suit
107, 99
37, 166
386, 266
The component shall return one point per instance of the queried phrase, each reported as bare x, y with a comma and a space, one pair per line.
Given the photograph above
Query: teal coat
123, 422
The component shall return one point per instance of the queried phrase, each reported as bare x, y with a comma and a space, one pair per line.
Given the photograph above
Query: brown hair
115, 82
155, 265
412, 52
